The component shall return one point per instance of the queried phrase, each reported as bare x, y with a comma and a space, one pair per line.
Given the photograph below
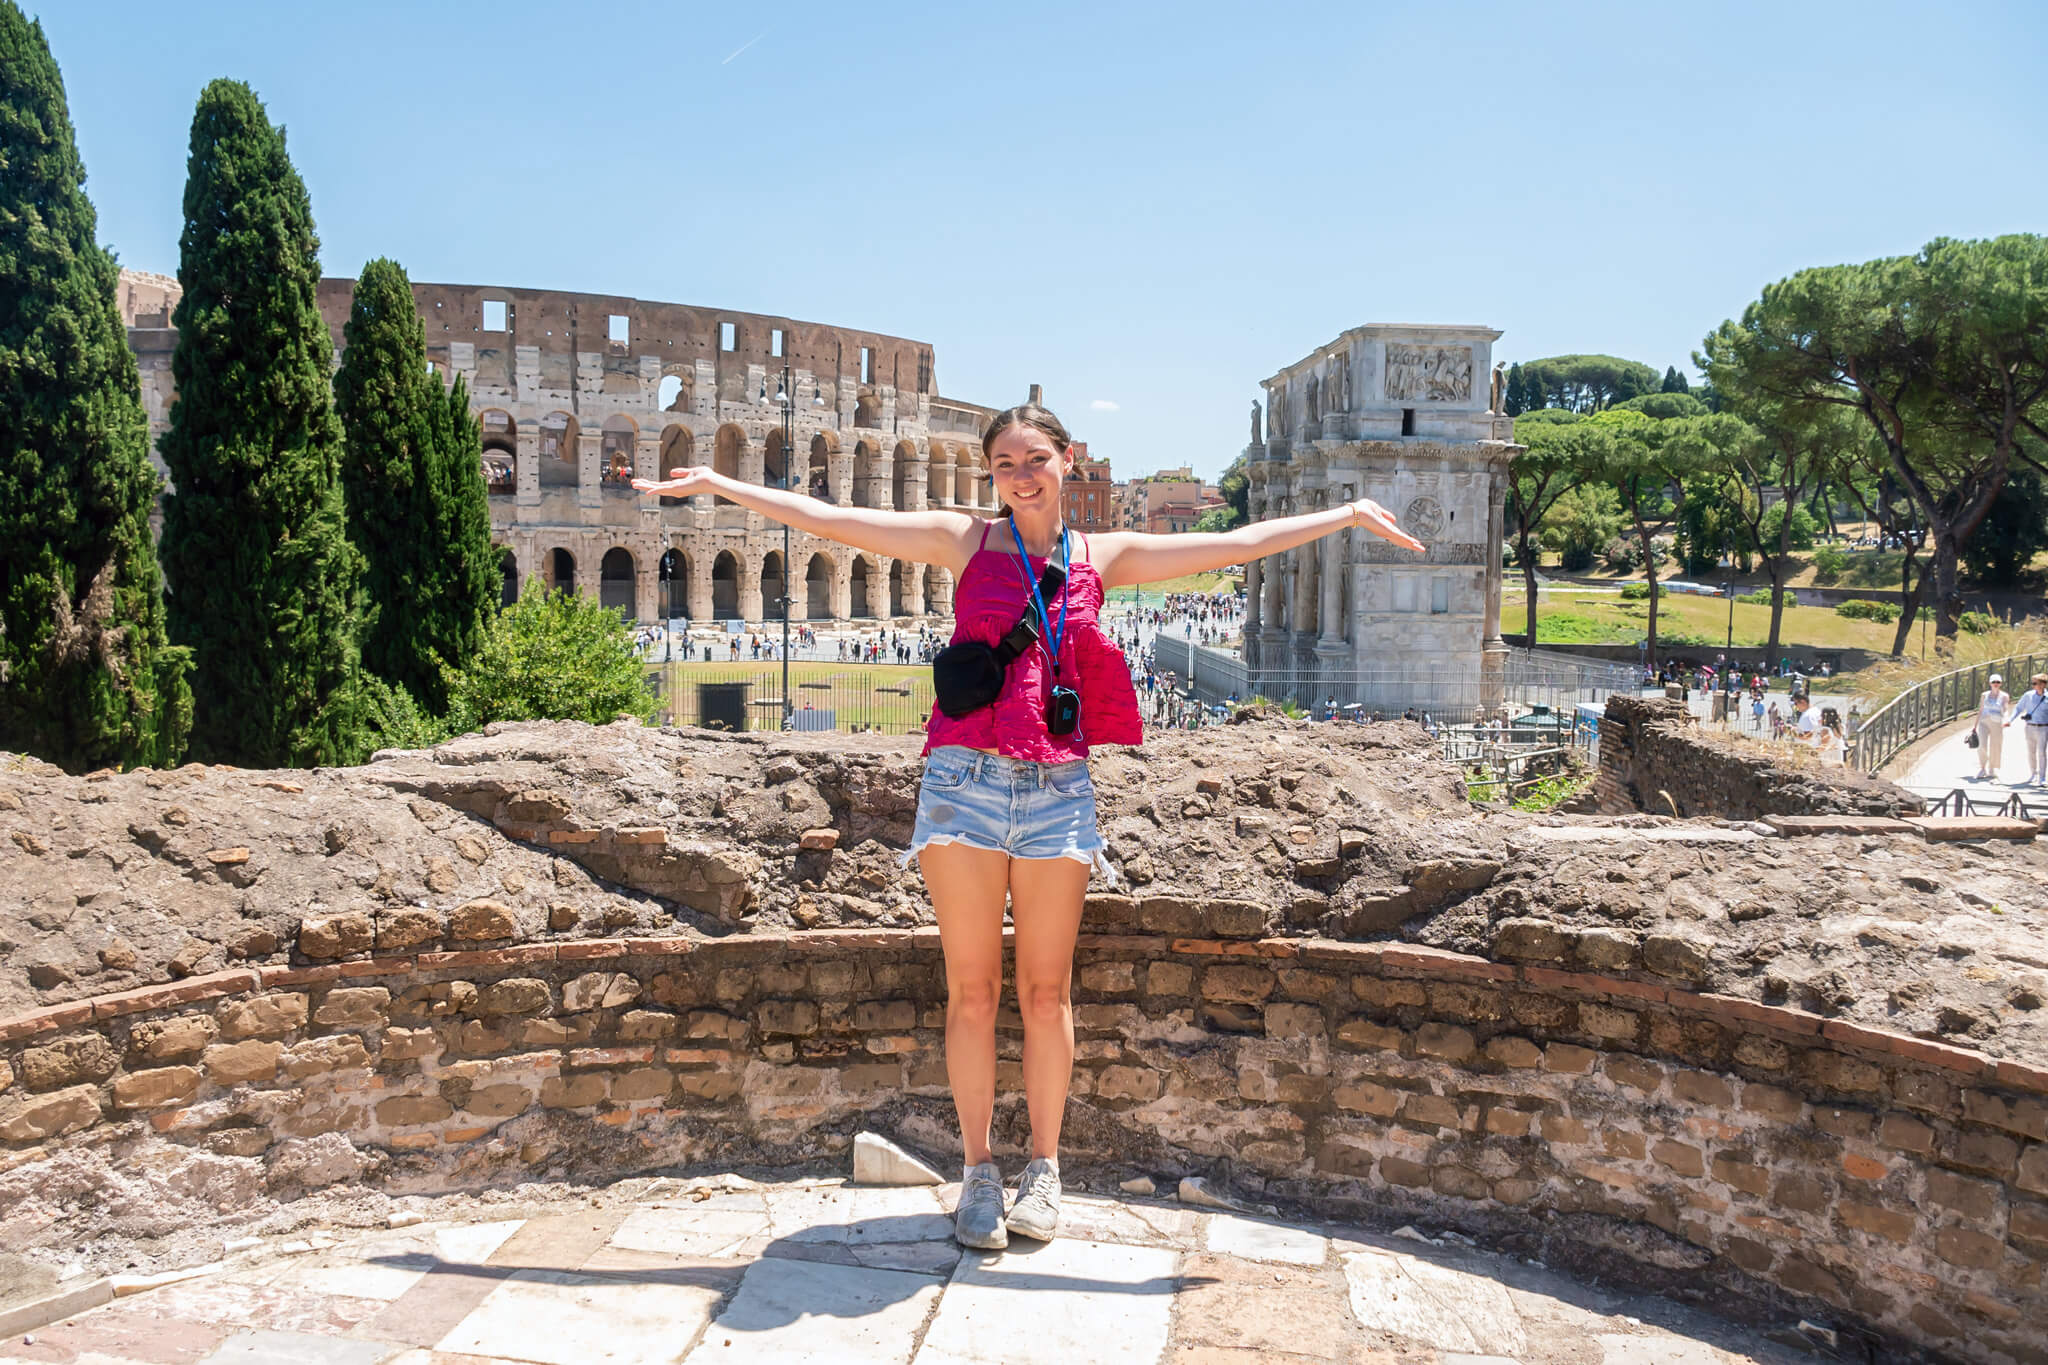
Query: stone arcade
578, 393
1403, 415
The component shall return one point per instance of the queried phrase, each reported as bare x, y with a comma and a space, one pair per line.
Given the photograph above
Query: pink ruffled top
987, 601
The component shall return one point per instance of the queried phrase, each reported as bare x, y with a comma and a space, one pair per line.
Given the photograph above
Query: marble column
749, 588
697, 590
646, 592
1333, 654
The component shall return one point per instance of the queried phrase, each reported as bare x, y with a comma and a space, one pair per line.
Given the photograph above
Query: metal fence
1932, 704
845, 697
1529, 678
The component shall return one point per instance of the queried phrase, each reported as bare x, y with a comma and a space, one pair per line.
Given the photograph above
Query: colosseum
578, 393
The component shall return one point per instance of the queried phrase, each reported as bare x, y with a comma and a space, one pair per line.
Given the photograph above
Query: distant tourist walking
1006, 808
2032, 712
1994, 708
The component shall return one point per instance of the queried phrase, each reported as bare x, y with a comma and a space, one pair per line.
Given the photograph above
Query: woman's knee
1044, 1002
974, 1000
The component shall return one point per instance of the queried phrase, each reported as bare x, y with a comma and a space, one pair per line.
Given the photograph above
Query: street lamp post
1728, 589
785, 398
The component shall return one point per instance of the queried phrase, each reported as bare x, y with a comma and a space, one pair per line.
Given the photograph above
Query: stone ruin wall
570, 416
1652, 747
1746, 1156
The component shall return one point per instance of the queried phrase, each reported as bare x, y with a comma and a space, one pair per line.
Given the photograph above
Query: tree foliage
1584, 383
1943, 355
87, 677
412, 476
551, 656
2011, 534
1674, 382
263, 580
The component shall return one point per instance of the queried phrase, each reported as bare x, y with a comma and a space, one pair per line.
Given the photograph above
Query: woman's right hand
680, 483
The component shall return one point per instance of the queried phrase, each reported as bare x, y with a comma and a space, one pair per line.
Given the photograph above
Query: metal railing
1932, 704
1528, 679
2014, 805
748, 696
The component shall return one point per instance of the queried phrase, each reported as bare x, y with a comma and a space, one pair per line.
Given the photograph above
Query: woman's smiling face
1028, 468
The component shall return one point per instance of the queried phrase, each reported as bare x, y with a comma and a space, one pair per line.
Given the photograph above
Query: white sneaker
1036, 1214
978, 1218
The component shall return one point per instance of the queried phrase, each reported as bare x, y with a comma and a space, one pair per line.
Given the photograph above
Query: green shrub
1636, 592
551, 656
1975, 622
1760, 598
1858, 609
1828, 563
1622, 556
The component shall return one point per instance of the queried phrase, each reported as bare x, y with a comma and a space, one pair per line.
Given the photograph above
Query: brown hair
1026, 415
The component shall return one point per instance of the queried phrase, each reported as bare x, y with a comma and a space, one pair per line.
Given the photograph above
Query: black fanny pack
969, 675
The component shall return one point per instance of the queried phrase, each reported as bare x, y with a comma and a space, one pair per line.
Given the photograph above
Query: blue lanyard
1038, 598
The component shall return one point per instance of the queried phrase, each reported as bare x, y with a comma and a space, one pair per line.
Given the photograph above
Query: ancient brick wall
1654, 758
1726, 1151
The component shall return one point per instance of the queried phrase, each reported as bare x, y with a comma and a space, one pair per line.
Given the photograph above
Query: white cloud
1102, 405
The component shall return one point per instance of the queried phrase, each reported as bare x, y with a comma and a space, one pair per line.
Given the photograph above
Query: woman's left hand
1381, 523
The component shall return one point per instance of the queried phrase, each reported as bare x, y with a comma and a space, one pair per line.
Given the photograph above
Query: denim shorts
1027, 810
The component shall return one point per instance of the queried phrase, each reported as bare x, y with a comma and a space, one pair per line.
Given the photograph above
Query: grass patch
1564, 617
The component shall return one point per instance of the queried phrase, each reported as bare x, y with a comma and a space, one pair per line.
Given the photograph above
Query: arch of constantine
580, 393
1403, 415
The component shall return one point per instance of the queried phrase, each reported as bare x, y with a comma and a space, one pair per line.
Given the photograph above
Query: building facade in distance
1405, 415
579, 393
1088, 497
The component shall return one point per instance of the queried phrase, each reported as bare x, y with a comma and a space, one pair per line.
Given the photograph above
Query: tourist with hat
1994, 708
2032, 712
1006, 811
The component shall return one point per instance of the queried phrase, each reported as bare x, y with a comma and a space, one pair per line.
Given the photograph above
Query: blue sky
1148, 206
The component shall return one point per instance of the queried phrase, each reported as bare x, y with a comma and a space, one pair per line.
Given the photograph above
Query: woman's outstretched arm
1124, 557
937, 537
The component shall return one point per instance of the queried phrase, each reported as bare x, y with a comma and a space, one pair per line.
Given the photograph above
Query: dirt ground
118, 880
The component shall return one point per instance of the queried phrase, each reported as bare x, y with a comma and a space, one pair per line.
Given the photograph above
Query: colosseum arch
900, 466
938, 475
615, 465
900, 585
866, 588
774, 459
938, 591
965, 485
818, 477
867, 411
559, 434
508, 576
615, 574
773, 581
678, 451
726, 446
674, 569
561, 570
725, 586
863, 474
677, 391
818, 586
500, 431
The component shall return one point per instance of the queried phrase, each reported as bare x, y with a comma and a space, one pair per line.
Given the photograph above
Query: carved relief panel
1431, 374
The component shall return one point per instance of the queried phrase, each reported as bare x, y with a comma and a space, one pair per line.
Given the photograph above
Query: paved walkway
730, 1271
1951, 764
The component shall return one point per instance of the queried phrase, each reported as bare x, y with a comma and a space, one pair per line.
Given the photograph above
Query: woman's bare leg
1045, 901
967, 886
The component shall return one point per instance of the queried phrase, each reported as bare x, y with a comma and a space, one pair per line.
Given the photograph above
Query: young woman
1006, 809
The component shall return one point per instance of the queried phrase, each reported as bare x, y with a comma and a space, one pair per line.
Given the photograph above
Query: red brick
514, 956
1117, 943
209, 987
610, 1056
336, 971
590, 950
1588, 983
1439, 962
1781, 1018
1898, 1045
660, 947
1350, 956
2020, 1076
46, 1019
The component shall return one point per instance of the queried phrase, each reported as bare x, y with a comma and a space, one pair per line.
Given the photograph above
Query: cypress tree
1674, 382
1517, 399
87, 678
465, 575
382, 393
263, 580
413, 481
